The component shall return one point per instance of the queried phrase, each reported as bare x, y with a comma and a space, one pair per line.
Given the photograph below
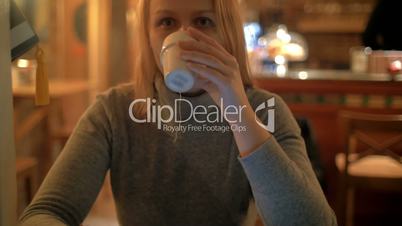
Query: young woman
204, 174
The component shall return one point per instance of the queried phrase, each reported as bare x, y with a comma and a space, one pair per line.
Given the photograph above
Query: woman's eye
204, 22
166, 22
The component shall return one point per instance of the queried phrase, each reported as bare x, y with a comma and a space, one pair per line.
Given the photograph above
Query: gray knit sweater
180, 178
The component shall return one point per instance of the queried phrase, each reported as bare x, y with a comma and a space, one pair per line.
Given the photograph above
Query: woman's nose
183, 28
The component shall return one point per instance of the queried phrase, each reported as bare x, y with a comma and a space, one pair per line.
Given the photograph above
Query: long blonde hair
230, 27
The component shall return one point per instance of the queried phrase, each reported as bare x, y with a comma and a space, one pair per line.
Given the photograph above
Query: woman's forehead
181, 5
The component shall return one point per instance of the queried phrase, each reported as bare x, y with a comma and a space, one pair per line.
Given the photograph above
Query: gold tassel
42, 82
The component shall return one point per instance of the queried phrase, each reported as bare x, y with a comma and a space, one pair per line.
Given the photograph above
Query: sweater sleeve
281, 177
74, 181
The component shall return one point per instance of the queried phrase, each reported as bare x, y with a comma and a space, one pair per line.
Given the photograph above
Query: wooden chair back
366, 134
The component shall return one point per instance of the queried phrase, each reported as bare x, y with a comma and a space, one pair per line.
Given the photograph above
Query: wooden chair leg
31, 185
28, 190
350, 206
341, 200
27, 170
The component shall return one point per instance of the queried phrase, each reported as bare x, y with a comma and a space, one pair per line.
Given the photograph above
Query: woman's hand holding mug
216, 69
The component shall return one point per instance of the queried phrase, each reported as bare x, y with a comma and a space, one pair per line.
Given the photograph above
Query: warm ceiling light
22, 63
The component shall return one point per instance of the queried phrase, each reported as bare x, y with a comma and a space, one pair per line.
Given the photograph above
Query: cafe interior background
310, 52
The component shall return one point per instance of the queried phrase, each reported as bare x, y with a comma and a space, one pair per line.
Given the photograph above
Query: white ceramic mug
176, 75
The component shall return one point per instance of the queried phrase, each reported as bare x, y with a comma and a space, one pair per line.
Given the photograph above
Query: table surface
57, 88
337, 75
